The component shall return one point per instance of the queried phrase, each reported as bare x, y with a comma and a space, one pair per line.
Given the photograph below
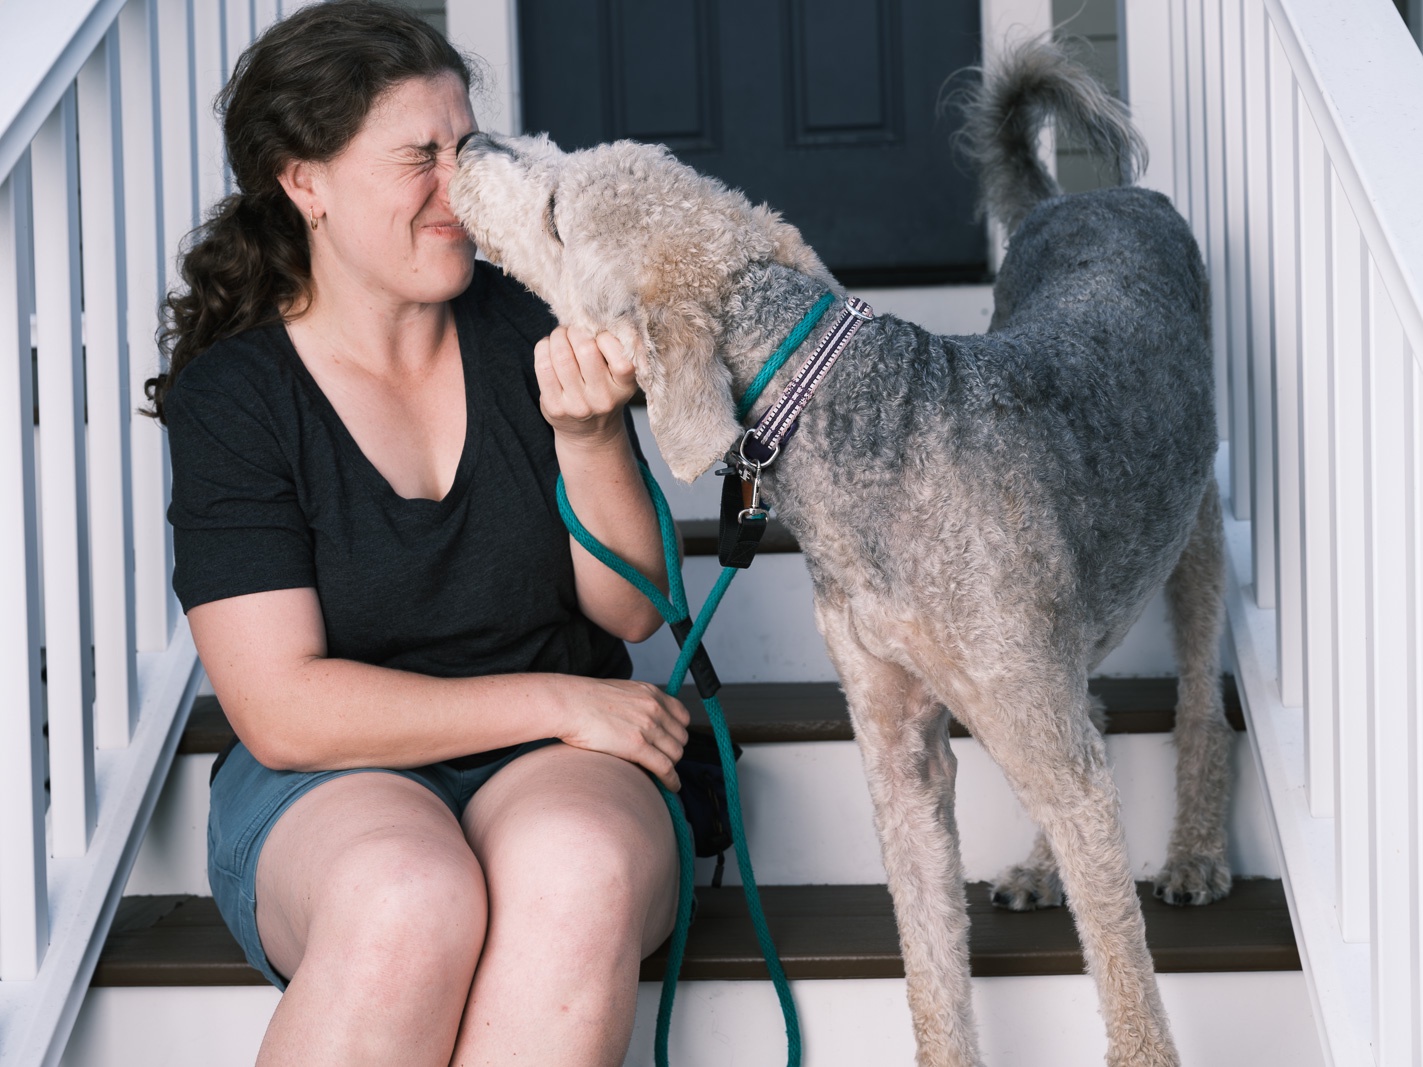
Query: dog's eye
548, 218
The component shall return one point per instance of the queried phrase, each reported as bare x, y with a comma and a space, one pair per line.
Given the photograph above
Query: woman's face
383, 211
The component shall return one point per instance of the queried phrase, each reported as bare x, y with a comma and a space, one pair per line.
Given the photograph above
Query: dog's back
1104, 297
1092, 395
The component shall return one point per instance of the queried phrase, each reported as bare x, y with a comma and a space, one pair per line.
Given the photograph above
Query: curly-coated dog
983, 516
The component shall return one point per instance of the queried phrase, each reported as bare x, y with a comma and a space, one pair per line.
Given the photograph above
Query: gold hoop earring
313, 217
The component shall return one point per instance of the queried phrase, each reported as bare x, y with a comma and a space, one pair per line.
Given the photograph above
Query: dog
983, 517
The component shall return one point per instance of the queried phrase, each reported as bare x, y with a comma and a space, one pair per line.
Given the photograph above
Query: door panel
825, 109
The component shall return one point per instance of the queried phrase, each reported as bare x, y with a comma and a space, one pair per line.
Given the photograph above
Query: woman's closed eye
423, 155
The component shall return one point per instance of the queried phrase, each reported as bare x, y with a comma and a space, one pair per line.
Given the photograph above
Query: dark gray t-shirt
270, 491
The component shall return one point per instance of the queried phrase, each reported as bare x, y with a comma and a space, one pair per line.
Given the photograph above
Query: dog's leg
1035, 883
1054, 758
903, 738
1196, 870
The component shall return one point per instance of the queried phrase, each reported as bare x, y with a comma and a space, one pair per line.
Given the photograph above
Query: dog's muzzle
479, 141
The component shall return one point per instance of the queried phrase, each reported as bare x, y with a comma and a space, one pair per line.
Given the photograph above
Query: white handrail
99, 96
1303, 142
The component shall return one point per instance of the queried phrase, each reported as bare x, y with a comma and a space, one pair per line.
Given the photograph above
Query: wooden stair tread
815, 711
821, 932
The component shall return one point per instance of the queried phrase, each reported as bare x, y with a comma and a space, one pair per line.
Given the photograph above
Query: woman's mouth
449, 228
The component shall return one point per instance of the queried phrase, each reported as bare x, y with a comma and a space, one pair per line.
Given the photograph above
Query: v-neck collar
473, 422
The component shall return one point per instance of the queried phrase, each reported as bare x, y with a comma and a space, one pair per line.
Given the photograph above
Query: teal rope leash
674, 610
779, 356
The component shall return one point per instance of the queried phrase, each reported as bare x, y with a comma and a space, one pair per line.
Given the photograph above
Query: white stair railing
1290, 133
111, 97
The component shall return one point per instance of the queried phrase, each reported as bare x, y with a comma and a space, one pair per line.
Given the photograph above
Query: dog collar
743, 519
762, 443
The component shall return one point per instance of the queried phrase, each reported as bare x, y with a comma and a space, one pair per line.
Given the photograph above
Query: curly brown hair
300, 92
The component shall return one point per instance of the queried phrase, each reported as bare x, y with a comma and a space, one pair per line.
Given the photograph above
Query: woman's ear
298, 178
689, 405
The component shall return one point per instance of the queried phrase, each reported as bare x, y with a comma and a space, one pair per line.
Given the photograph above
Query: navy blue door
825, 109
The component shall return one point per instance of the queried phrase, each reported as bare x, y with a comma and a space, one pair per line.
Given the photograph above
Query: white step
1224, 1020
808, 817
764, 630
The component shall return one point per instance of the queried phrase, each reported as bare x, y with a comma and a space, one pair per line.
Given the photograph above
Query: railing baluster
178, 161
1236, 226
1147, 86
106, 376
1217, 205
1257, 59
208, 30
1197, 208
1315, 460
267, 12
1351, 591
24, 908
1180, 110
1285, 285
241, 24
176, 107
64, 509
241, 16
144, 224
1395, 914
1415, 675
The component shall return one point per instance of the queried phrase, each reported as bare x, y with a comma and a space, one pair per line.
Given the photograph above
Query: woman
439, 832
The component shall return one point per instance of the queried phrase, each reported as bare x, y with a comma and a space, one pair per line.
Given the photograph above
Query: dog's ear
688, 389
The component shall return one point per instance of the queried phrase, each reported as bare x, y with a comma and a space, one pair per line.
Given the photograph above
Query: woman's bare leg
369, 898
581, 866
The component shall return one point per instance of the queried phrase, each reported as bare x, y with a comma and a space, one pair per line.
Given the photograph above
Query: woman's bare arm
297, 709
584, 384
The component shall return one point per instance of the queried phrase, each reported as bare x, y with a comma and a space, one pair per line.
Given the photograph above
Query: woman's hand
635, 721
584, 381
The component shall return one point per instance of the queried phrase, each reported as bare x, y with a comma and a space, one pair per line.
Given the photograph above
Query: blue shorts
247, 799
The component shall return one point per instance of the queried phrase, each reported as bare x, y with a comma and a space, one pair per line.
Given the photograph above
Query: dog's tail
1024, 86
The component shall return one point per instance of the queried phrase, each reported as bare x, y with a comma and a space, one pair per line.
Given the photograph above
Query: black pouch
703, 796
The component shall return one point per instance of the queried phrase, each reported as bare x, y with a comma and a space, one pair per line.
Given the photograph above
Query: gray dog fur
983, 516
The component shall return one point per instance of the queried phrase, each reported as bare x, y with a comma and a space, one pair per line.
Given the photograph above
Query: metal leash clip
748, 470
755, 513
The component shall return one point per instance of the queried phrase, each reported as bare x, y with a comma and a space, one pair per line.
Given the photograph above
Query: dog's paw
1026, 888
1193, 880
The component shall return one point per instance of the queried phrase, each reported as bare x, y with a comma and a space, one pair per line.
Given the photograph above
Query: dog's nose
484, 143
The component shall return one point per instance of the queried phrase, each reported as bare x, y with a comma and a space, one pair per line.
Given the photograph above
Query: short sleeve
238, 527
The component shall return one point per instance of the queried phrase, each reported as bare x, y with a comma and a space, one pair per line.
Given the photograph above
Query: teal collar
780, 355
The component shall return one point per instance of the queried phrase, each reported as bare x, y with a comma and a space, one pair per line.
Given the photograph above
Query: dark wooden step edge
769, 712
821, 932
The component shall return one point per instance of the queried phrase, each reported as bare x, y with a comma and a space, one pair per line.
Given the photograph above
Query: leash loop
693, 657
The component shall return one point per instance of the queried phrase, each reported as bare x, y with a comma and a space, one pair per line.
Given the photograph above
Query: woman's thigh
572, 833
369, 868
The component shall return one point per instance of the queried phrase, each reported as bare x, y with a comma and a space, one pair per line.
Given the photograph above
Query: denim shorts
247, 799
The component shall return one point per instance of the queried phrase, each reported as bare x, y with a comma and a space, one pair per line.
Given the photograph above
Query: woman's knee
370, 892
600, 846
406, 904
609, 853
